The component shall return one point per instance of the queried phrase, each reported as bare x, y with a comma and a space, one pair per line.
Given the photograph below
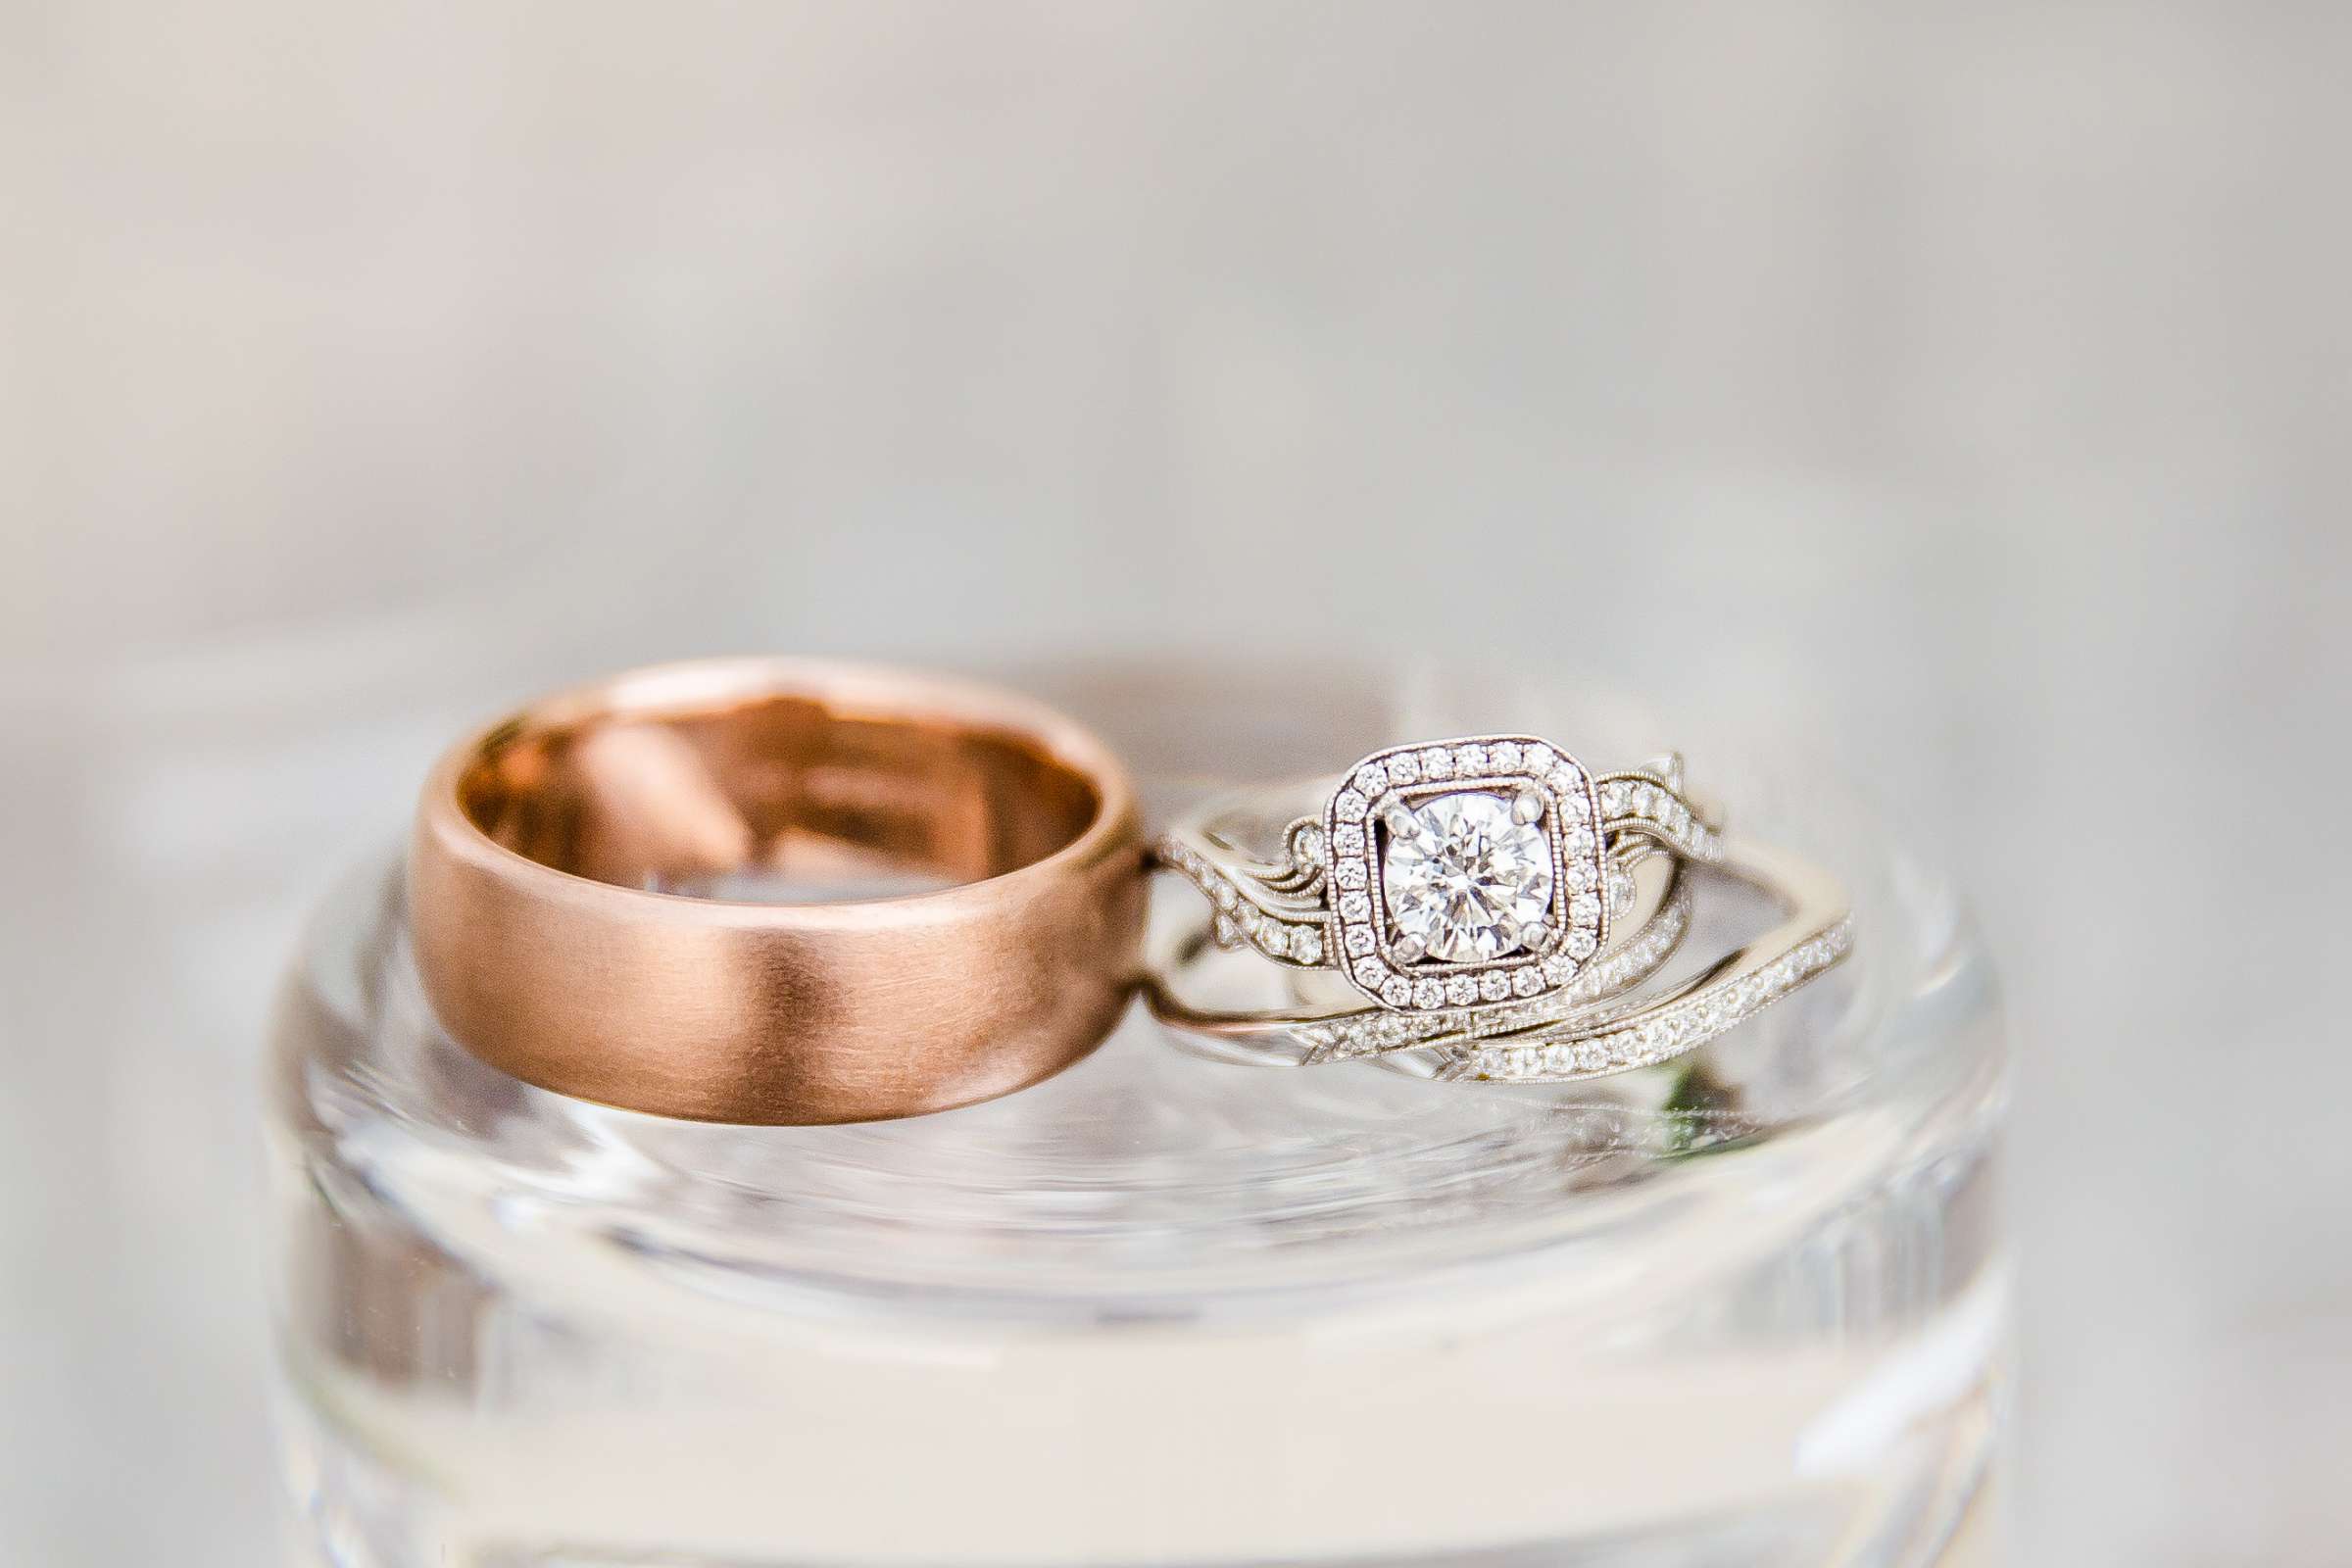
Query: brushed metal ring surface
597, 892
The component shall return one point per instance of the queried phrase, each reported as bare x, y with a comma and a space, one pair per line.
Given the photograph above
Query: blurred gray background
1968, 385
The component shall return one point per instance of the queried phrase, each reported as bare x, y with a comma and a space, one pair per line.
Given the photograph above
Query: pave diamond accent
1372, 1033
1241, 921
1466, 858
1643, 805
1666, 1031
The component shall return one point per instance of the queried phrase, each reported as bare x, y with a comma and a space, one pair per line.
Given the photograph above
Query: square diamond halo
1475, 876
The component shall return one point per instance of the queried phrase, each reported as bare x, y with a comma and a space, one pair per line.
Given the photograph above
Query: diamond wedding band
1488, 903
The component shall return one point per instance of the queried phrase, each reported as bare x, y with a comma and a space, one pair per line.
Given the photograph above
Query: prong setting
1477, 858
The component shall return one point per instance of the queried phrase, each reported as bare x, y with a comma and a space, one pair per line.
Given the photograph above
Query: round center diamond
1463, 878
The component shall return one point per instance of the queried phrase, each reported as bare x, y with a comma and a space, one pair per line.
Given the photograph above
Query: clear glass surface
1749, 1308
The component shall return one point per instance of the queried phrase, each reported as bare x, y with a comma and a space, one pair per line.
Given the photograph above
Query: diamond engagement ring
1487, 903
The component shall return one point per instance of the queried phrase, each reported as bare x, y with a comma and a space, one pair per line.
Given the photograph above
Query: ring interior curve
774, 797
778, 891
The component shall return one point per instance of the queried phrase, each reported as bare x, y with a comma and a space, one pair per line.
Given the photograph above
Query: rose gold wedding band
595, 889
